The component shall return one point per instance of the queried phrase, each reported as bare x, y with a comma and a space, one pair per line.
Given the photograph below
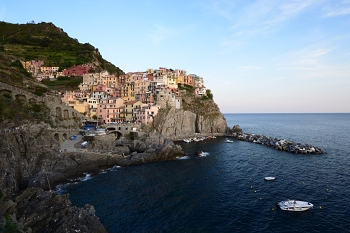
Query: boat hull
294, 205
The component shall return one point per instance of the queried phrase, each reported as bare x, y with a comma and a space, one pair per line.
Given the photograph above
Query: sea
224, 190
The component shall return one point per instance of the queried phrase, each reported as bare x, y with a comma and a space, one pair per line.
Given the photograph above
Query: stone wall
61, 114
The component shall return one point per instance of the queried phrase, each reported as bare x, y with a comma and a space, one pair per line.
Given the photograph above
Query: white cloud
267, 15
337, 9
258, 18
307, 59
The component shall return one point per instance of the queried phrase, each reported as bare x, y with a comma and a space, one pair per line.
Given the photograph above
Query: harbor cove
225, 190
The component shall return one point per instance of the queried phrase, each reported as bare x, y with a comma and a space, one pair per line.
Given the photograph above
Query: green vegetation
12, 71
18, 110
186, 87
18, 65
46, 42
64, 83
209, 95
10, 226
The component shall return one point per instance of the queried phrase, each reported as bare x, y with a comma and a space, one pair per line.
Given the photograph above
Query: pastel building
110, 81
147, 113
141, 90
92, 107
111, 110
128, 91
77, 70
131, 107
81, 106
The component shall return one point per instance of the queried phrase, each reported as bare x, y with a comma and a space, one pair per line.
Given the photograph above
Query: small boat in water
228, 140
270, 178
294, 205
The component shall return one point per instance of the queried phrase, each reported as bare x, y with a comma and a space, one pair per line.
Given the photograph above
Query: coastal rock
177, 124
236, 129
149, 148
278, 144
32, 159
44, 211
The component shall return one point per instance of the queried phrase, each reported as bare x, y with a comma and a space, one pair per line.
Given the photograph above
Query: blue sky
265, 56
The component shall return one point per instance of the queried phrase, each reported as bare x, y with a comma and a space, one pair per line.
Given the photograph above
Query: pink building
77, 70
147, 113
111, 110
189, 80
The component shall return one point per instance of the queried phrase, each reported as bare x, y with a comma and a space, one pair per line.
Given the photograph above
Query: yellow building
131, 107
128, 91
81, 106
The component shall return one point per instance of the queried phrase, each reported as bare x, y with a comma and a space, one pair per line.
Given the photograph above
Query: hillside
46, 42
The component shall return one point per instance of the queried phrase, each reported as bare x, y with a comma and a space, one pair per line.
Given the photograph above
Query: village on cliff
132, 97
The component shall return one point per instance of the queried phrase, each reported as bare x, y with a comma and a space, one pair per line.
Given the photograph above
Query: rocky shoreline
275, 143
31, 162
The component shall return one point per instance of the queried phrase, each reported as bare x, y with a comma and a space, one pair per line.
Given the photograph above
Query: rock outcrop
146, 148
31, 159
177, 124
36, 210
275, 143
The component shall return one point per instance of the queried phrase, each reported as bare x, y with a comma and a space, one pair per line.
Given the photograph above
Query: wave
183, 157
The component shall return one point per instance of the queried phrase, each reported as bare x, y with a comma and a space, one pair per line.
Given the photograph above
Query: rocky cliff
196, 117
30, 161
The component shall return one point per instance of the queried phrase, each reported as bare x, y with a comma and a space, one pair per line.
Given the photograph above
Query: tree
94, 117
209, 94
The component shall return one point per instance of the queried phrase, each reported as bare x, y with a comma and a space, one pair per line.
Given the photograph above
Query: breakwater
278, 144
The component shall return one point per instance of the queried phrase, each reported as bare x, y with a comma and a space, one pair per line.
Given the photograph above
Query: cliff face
196, 117
31, 159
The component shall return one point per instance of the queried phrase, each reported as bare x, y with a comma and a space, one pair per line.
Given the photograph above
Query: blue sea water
225, 190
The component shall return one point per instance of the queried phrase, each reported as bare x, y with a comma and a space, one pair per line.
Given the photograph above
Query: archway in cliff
65, 136
21, 98
6, 93
57, 137
65, 113
118, 134
196, 130
111, 128
58, 112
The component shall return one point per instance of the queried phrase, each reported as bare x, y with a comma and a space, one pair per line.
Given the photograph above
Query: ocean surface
225, 190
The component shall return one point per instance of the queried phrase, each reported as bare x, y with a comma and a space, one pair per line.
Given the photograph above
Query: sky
256, 56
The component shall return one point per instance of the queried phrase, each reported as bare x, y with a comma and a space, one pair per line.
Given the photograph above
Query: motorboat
270, 178
228, 140
186, 140
294, 205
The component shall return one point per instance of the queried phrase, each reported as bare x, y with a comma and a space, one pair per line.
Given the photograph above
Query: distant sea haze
225, 190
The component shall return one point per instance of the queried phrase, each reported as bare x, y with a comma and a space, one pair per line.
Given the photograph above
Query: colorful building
131, 107
111, 110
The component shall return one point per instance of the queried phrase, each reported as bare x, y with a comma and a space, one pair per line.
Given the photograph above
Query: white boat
228, 140
203, 154
294, 205
186, 140
270, 178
